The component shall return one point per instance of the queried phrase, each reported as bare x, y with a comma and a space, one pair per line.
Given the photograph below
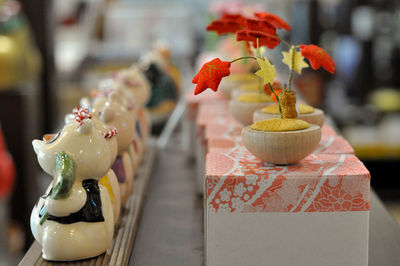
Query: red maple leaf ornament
318, 57
264, 39
273, 19
228, 23
233, 17
259, 25
222, 26
210, 75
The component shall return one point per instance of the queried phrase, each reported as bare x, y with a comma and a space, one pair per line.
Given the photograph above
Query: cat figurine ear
85, 102
85, 127
107, 115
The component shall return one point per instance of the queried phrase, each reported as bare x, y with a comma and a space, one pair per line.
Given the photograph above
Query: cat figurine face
84, 143
112, 111
134, 80
103, 128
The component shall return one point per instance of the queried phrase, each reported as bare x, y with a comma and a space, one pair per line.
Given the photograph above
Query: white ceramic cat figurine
134, 80
128, 99
112, 112
74, 220
110, 180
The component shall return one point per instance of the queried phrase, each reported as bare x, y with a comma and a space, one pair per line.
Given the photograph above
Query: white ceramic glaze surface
102, 127
66, 242
91, 156
114, 114
87, 149
135, 81
63, 207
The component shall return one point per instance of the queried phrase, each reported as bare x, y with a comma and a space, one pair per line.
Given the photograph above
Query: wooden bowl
243, 111
237, 92
316, 117
234, 81
226, 88
281, 147
252, 87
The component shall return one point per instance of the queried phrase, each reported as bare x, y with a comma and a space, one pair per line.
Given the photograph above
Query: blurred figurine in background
164, 89
7, 176
19, 58
163, 52
7, 169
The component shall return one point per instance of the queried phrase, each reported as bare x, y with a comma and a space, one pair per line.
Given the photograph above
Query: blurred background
53, 52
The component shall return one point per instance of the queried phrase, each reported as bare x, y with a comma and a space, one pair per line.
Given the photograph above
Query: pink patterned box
315, 212
193, 101
208, 112
189, 123
333, 143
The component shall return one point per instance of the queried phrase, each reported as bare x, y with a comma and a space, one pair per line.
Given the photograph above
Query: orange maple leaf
318, 57
210, 75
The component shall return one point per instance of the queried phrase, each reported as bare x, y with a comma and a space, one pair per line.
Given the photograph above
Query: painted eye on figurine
50, 138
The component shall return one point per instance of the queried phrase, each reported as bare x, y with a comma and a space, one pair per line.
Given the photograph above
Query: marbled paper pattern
236, 181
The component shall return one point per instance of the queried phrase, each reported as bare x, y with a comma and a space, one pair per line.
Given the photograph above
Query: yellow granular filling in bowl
242, 78
254, 98
252, 87
274, 109
280, 124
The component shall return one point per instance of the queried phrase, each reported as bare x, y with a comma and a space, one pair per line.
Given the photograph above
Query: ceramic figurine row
93, 161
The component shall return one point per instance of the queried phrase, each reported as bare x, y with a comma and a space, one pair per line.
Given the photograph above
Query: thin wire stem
277, 99
284, 41
292, 69
243, 57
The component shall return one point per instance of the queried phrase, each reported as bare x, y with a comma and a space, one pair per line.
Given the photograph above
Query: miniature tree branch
243, 57
287, 100
284, 41
291, 71
277, 99
260, 89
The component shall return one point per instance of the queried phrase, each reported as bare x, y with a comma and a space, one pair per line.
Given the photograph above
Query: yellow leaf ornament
297, 62
267, 71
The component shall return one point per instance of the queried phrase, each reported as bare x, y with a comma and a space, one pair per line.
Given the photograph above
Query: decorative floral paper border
238, 182
193, 102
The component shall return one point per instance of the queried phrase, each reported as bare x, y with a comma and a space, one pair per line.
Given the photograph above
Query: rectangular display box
189, 123
314, 212
208, 112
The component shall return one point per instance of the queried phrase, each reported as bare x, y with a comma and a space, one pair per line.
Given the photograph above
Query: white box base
189, 136
200, 165
311, 238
